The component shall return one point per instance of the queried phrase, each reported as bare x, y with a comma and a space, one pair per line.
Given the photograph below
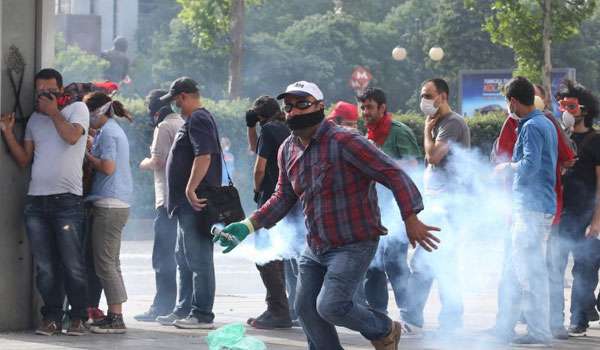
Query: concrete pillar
21, 24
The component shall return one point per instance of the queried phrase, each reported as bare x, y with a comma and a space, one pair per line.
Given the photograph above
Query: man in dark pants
167, 123
332, 171
273, 132
580, 220
194, 161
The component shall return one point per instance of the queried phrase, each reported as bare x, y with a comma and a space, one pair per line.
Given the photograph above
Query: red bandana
379, 131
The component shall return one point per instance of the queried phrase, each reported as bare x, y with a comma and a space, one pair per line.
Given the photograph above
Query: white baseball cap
302, 88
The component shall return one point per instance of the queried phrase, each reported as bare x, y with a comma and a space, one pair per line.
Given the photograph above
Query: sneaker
192, 322
148, 316
390, 341
49, 328
560, 333
76, 328
111, 324
94, 315
577, 331
410, 331
169, 319
268, 321
529, 341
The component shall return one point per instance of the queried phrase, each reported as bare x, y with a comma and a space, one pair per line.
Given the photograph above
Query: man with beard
399, 142
333, 172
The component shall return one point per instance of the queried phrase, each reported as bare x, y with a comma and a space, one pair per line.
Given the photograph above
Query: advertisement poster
481, 90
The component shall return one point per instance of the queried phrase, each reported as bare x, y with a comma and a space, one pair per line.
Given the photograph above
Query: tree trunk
547, 43
237, 51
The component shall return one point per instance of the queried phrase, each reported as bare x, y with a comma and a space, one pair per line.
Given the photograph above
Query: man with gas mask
444, 132
332, 171
533, 169
278, 273
55, 140
166, 124
580, 222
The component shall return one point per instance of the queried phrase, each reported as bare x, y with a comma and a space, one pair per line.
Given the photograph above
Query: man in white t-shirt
55, 139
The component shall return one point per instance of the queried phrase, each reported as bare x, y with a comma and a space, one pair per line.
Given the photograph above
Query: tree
77, 65
219, 24
530, 26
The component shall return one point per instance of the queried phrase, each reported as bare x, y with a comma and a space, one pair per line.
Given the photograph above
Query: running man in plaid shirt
333, 172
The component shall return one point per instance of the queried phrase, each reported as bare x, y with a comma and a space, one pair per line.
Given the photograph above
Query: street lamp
399, 53
436, 53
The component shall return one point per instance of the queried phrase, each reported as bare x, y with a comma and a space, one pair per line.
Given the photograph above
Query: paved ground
240, 295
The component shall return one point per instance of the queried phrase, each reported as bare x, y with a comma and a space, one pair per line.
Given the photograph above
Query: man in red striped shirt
333, 172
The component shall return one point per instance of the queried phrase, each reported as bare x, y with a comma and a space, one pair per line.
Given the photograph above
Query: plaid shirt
334, 177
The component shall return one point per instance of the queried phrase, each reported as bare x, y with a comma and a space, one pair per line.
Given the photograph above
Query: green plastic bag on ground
249, 343
231, 337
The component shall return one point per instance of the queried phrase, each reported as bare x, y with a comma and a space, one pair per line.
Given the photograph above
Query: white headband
107, 107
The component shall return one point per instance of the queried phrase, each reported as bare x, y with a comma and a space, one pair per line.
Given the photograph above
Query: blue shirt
111, 144
535, 153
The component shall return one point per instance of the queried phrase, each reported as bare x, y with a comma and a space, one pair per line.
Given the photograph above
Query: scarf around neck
379, 131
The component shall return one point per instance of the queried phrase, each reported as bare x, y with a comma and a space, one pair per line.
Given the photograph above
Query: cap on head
302, 88
180, 85
266, 106
344, 110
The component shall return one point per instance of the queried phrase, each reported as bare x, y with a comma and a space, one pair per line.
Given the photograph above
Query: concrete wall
27, 24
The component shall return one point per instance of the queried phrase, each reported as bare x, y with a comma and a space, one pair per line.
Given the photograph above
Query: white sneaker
410, 331
169, 319
191, 322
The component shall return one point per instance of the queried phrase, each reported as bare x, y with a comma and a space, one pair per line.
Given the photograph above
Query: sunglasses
301, 105
569, 104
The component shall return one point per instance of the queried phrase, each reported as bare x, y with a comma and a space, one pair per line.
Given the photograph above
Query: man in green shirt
390, 262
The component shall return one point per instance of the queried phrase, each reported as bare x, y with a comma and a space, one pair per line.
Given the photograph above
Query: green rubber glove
233, 234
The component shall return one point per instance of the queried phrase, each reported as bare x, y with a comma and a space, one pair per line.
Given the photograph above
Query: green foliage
173, 55
75, 64
209, 20
518, 24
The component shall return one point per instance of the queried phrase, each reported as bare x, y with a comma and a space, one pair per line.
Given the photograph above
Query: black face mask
303, 121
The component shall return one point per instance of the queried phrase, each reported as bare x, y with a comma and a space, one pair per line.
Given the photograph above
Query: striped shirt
334, 178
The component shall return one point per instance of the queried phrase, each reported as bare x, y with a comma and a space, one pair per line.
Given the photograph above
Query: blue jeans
163, 262
525, 276
324, 296
194, 255
390, 262
54, 225
586, 256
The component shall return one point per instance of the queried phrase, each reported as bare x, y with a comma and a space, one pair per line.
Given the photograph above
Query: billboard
481, 90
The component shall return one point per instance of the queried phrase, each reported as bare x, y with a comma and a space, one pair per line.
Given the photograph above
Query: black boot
278, 313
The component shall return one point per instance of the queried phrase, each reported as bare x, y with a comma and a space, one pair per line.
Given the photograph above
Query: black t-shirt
272, 135
579, 182
198, 136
